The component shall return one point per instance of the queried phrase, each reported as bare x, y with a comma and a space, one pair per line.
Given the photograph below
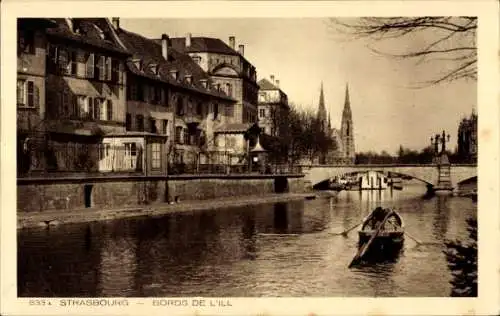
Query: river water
284, 249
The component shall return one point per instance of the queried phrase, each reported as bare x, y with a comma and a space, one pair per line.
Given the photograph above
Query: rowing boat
382, 233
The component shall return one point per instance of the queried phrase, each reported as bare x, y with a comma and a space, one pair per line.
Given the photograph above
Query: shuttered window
109, 115
90, 66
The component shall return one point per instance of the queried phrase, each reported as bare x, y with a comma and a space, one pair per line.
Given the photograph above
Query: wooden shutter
97, 105
115, 69
90, 66
109, 115
30, 94
109, 66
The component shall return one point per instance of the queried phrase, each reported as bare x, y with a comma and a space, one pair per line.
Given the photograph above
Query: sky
304, 52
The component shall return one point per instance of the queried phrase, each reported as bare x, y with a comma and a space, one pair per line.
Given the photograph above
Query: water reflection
247, 251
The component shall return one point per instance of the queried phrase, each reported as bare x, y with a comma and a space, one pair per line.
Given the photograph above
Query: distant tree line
406, 156
302, 137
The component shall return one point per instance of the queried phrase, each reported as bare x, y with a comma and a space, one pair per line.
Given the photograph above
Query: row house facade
93, 97
31, 106
82, 105
232, 73
170, 95
273, 107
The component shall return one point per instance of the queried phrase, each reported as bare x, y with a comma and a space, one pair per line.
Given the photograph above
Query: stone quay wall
112, 192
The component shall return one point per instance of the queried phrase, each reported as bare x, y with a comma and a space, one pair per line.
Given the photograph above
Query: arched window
347, 129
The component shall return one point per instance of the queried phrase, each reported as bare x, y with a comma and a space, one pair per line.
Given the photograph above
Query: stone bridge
428, 173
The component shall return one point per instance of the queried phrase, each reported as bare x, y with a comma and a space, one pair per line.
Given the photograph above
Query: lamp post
440, 139
259, 154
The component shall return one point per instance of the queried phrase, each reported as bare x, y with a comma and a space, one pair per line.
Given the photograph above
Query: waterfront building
235, 131
344, 151
467, 139
273, 107
84, 100
31, 107
169, 95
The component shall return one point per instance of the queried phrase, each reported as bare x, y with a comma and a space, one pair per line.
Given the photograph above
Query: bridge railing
380, 165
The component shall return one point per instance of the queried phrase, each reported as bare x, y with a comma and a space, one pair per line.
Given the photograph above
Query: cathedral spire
347, 102
321, 116
347, 129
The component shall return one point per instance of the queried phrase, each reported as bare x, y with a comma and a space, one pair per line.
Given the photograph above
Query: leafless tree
451, 40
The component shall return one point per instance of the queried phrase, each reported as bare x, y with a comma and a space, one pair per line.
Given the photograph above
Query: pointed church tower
321, 116
346, 129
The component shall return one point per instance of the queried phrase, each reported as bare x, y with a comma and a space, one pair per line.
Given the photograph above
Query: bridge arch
427, 174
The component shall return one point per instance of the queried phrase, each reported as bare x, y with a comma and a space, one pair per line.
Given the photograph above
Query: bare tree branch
455, 45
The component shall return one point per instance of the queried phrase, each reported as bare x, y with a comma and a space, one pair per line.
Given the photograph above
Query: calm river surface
267, 250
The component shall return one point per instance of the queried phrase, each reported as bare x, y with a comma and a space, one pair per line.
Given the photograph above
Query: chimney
232, 42
116, 23
277, 83
165, 43
241, 50
272, 79
188, 40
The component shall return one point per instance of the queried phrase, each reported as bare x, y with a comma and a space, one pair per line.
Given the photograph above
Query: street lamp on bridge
440, 139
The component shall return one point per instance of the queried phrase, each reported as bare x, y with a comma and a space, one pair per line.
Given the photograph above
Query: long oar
361, 252
345, 232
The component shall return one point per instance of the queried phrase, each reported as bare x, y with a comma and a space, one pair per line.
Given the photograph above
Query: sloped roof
150, 52
234, 127
87, 31
203, 44
265, 84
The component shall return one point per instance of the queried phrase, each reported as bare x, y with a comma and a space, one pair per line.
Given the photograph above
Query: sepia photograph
219, 157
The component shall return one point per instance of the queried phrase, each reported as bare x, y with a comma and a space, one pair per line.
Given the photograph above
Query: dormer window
137, 63
100, 32
197, 59
204, 83
174, 74
189, 79
153, 68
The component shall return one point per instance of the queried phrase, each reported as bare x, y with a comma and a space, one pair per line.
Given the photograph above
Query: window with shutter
73, 65
115, 71
21, 99
109, 65
63, 62
65, 104
128, 122
103, 111
82, 106
109, 115
76, 107
52, 58
156, 156
152, 125
90, 66
97, 107
90, 108
165, 127
101, 65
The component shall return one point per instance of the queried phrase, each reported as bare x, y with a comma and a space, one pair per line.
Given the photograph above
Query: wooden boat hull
388, 242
